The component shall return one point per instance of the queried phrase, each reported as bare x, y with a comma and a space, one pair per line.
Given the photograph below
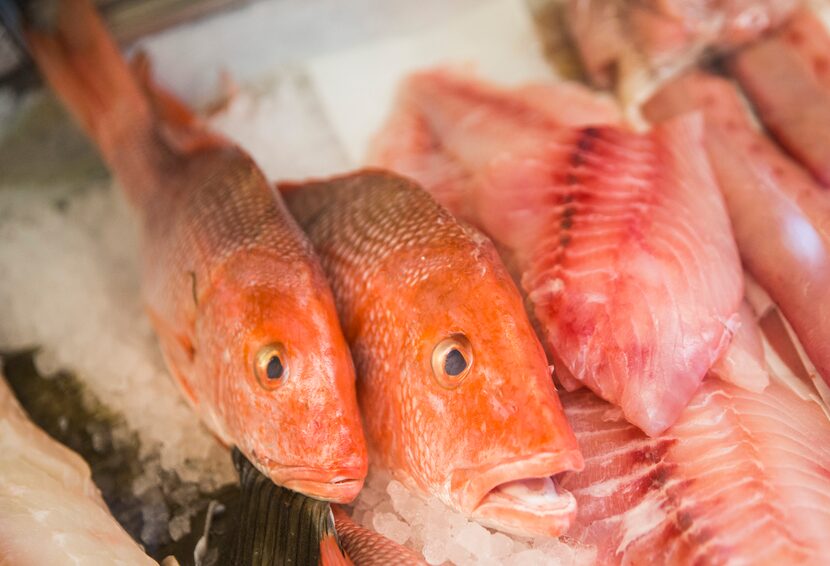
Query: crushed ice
442, 535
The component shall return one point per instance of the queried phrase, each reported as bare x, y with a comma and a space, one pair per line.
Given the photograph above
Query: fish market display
455, 391
50, 510
787, 77
741, 478
616, 39
620, 240
242, 309
780, 215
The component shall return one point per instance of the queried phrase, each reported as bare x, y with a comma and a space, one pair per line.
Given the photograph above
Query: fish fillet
787, 77
780, 215
50, 510
741, 478
620, 240
615, 36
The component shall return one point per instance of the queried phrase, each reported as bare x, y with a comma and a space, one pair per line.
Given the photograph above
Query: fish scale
620, 239
408, 277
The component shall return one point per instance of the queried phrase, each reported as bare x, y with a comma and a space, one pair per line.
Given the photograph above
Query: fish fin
229, 92
267, 512
178, 351
82, 63
331, 553
180, 128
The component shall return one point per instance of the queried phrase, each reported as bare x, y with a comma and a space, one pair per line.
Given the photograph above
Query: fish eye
271, 366
452, 359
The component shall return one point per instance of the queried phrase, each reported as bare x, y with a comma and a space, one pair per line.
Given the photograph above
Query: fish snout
520, 495
338, 485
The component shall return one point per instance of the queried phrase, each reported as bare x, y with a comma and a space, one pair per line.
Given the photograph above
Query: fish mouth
337, 486
521, 496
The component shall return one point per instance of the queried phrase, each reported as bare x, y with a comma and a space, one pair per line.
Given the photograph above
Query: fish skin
590, 218
741, 478
226, 270
51, 512
368, 548
406, 275
787, 77
766, 193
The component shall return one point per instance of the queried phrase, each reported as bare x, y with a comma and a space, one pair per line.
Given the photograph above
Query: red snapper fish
620, 240
241, 307
454, 387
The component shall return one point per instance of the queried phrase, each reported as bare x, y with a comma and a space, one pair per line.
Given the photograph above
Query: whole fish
787, 78
766, 192
50, 510
454, 388
620, 240
740, 478
242, 309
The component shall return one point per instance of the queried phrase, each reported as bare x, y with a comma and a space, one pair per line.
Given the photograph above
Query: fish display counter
383, 283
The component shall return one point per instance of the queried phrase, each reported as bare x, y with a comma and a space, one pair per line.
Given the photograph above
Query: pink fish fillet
741, 478
620, 240
780, 215
613, 37
787, 77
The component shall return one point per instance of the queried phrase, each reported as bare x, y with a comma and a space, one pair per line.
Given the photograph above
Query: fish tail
121, 112
331, 554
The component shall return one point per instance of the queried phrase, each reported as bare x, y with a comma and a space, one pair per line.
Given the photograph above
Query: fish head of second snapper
284, 378
457, 395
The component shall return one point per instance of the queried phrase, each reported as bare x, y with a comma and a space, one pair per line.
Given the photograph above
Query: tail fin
139, 128
84, 66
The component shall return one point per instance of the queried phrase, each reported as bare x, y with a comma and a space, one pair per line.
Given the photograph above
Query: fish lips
520, 496
337, 486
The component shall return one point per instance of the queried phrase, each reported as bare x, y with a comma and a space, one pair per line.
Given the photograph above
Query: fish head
480, 422
283, 376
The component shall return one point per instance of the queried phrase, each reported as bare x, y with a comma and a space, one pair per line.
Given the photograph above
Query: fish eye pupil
454, 363
274, 369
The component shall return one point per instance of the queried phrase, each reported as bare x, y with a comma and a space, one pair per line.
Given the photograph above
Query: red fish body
454, 388
243, 313
787, 77
741, 478
780, 215
620, 240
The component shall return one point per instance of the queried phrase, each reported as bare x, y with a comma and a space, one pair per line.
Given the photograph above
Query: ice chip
475, 539
435, 551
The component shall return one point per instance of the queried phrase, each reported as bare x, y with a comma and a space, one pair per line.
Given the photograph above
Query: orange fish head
479, 419
283, 379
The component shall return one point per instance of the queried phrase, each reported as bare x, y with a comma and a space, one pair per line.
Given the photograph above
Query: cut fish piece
780, 215
787, 77
50, 511
741, 478
743, 362
620, 240
623, 42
